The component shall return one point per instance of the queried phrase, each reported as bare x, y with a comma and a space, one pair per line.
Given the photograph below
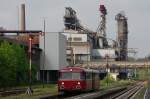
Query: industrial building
101, 54
53, 55
78, 47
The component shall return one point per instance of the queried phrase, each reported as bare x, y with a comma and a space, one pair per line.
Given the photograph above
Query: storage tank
122, 36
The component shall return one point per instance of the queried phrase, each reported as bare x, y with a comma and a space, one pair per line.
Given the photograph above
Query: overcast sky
137, 11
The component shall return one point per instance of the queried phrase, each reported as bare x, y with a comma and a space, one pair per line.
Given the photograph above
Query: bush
13, 65
108, 79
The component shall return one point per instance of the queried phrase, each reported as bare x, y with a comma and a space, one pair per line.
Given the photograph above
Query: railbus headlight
62, 83
78, 83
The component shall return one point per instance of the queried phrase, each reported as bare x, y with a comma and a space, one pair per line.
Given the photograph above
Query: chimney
22, 18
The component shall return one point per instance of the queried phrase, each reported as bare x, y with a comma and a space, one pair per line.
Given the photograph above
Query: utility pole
71, 50
29, 90
107, 66
87, 54
44, 23
135, 61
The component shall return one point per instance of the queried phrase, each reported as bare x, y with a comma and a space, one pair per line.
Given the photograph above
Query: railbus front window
70, 75
66, 76
76, 76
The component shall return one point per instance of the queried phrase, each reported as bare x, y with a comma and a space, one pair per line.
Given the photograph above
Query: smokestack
22, 18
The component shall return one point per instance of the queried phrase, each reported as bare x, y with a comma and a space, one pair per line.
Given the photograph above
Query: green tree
7, 65
108, 80
21, 64
13, 65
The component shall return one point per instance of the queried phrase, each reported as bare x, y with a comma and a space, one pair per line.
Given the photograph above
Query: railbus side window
83, 75
88, 75
96, 76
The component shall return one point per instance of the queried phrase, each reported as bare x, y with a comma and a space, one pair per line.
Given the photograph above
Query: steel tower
101, 30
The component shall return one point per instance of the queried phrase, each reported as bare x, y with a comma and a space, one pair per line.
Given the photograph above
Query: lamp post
71, 50
29, 90
87, 55
44, 23
107, 66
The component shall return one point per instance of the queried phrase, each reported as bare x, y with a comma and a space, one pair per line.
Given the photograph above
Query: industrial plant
75, 45
86, 45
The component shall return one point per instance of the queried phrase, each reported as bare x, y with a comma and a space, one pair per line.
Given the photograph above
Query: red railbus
78, 79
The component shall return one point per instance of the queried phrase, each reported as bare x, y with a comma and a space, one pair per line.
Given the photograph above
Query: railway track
66, 96
84, 95
12, 92
129, 93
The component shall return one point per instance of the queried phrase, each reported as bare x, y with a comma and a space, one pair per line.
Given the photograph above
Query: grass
120, 83
142, 74
109, 82
140, 95
147, 85
38, 91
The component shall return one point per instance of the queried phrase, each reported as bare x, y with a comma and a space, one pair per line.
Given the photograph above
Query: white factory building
78, 47
53, 55
82, 48
102, 53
